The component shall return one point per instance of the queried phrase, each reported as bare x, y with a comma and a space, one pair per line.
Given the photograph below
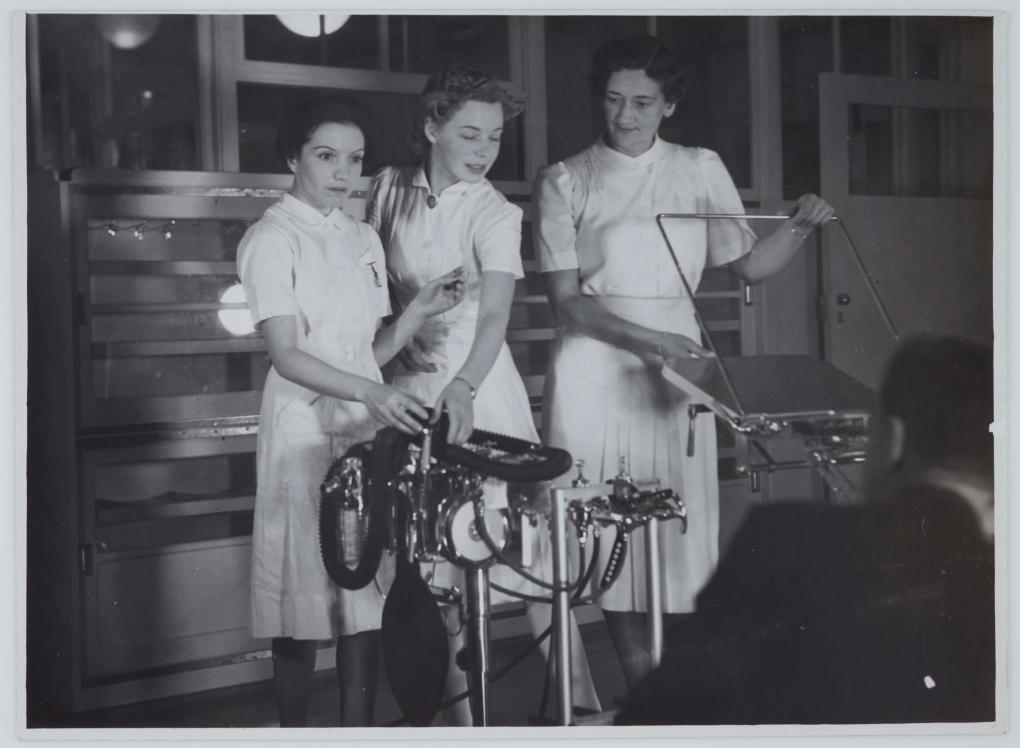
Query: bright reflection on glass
306, 24
236, 321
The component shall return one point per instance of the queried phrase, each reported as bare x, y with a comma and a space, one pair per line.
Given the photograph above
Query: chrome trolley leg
477, 579
561, 608
653, 578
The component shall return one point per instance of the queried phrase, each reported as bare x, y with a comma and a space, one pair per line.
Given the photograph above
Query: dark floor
514, 700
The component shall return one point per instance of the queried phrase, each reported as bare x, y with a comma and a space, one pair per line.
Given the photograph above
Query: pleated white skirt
603, 403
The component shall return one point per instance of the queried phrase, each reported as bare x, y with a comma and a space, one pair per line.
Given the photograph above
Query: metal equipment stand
560, 498
477, 582
561, 597
653, 574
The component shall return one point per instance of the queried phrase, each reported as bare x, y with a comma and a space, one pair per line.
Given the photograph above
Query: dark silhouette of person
882, 612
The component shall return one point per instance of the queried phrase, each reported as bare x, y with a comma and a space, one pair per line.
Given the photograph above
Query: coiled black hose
381, 459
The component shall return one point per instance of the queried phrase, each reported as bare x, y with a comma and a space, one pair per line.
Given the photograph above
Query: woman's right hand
672, 345
441, 294
393, 407
685, 357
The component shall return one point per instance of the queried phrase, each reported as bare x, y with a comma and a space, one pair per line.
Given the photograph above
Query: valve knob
580, 481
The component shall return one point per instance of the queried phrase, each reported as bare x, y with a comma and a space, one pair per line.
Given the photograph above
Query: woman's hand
415, 358
672, 345
811, 212
441, 294
456, 400
686, 358
393, 407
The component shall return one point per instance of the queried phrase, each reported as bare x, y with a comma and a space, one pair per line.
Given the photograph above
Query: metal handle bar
782, 217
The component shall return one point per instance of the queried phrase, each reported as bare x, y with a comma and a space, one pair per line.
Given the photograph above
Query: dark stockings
357, 665
293, 667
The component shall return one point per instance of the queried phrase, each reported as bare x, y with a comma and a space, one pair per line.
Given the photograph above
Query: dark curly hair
646, 53
300, 122
447, 90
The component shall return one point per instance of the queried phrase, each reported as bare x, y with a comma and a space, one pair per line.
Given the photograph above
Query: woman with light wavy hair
436, 217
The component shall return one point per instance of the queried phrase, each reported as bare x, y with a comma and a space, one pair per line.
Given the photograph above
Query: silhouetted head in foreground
932, 426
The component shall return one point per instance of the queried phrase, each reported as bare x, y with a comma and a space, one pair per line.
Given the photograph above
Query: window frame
221, 49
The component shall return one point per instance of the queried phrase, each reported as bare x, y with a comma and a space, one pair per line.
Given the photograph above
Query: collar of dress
420, 180
306, 214
623, 161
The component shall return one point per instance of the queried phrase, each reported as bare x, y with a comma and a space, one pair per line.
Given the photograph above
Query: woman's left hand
456, 399
811, 212
442, 293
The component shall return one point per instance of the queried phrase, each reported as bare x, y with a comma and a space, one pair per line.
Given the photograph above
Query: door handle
843, 299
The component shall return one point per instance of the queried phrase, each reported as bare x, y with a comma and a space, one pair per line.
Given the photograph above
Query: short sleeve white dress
474, 226
596, 214
330, 273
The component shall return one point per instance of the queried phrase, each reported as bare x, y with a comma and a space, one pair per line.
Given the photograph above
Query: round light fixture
236, 321
128, 31
307, 24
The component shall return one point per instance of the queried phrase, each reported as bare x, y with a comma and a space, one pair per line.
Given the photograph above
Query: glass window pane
354, 45
805, 49
936, 48
141, 480
422, 44
412, 44
716, 111
157, 281
140, 239
948, 48
108, 97
575, 119
920, 152
161, 376
260, 108
867, 45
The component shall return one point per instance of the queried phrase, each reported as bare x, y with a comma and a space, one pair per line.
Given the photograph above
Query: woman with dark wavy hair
438, 216
622, 310
315, 281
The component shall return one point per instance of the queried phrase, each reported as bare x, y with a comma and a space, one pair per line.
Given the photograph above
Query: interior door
908, 166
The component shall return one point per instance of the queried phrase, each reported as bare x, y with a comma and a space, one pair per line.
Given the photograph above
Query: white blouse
596, 213
289, 259
471, 225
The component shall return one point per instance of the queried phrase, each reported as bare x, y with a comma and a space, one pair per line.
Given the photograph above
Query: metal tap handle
623, 474
692, 415
580, 480
693, 411
623, 484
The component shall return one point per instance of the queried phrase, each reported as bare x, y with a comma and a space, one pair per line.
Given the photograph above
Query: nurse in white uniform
438, 216
315, 281
622, 310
